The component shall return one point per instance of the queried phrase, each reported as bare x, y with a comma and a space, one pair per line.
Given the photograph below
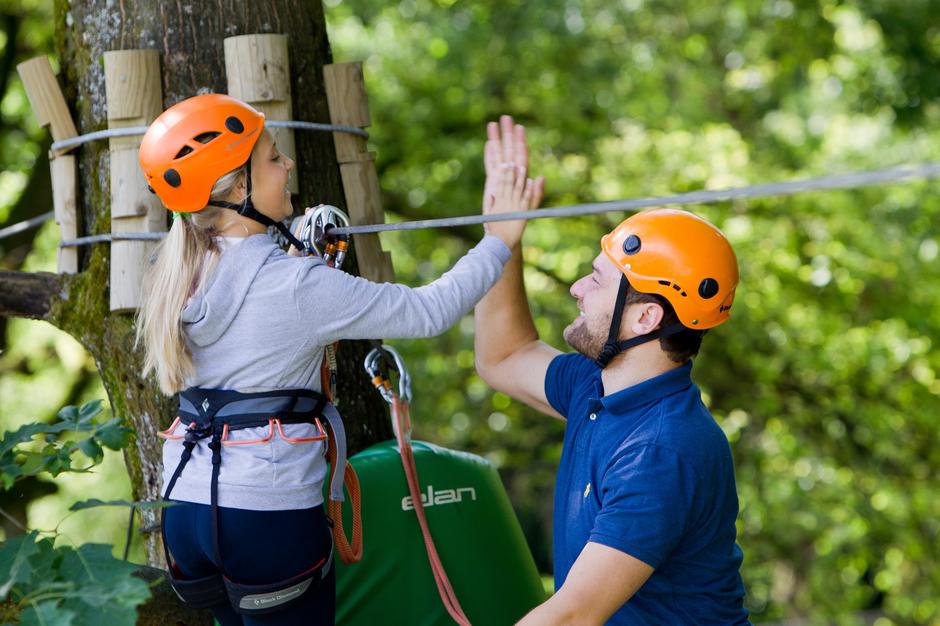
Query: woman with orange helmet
237, 327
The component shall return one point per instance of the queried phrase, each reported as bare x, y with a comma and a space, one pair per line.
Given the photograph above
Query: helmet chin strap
247, 209
613, 347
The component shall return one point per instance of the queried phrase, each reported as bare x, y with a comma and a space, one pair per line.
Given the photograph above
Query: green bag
475, 530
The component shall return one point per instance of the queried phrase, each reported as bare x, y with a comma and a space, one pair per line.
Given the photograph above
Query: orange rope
350, 553
402, 420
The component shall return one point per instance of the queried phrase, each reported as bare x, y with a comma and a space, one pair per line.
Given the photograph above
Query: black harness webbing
613, 347
247, 209
210, 413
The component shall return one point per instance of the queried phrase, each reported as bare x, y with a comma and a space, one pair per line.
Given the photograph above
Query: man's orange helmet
195, 142
680, 257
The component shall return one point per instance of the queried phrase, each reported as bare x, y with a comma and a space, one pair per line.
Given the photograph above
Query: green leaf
89, 411
140, 504
68, 414
23, 434
48, 613
113, 435
44, 563
91, 449
15, 566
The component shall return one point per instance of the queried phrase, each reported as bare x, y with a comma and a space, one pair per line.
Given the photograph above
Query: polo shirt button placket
592, 416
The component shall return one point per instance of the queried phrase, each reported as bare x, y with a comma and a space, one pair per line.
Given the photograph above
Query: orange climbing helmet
681, 257
195, 142
678, 256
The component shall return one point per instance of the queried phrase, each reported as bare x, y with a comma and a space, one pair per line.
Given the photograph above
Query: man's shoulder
570, 369
688, 427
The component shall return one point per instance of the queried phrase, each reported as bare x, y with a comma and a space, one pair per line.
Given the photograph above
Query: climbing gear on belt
213, 414
678, 256
193, 144
401, 424
316, 240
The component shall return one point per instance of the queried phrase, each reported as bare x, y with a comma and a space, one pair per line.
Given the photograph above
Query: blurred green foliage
826, 379
44, 583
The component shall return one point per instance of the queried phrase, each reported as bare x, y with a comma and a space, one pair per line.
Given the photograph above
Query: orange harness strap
348, 552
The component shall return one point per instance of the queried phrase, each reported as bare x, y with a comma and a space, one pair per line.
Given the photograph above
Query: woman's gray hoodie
261, 323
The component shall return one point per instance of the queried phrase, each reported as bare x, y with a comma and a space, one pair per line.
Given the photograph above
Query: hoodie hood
209, 313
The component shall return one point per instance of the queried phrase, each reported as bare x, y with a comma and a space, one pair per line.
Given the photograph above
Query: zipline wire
19, 227
131, 131
846, 180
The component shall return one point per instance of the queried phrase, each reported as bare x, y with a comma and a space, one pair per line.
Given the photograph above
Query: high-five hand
506, 161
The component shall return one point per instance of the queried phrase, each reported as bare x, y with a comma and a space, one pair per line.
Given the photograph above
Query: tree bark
190, 37
30, 295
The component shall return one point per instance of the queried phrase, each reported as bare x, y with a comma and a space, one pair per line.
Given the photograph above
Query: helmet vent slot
183, 152
206, 137
235, 125
666, 283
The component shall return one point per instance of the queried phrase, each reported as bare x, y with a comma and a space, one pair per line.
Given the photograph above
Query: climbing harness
401, 424
213, 414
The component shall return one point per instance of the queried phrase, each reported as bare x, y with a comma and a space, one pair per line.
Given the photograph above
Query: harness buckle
195, 431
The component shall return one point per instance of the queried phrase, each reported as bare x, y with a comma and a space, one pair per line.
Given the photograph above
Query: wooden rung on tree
46, 98
135, 98
51, 110
258, 72
65, 202
349, 106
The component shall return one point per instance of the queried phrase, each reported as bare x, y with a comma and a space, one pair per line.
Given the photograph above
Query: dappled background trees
826, 379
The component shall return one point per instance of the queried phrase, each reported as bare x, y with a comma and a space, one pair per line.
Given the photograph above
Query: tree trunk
190, 37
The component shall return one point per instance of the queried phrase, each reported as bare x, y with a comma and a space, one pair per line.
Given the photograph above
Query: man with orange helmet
645, 500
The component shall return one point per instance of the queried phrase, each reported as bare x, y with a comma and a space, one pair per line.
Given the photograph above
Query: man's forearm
503, 321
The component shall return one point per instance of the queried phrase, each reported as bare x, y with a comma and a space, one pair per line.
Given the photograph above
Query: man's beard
587, 338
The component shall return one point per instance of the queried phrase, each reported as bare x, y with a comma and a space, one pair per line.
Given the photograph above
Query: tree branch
29, 295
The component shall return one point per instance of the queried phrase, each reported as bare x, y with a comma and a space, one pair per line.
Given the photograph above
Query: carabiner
381, 381
315, 234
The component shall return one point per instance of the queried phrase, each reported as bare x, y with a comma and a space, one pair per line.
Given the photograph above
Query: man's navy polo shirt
647, 471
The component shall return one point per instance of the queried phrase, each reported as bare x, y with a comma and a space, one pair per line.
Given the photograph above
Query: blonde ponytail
184, 261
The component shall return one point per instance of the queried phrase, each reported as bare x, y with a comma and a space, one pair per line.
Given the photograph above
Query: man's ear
648, 316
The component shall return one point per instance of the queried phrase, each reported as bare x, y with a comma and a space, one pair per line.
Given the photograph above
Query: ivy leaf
140, 504
68, 414
91, 449
44, 563
111, 614
23, 434
113, 435
89, 411
15, 561
93, 563
47, 614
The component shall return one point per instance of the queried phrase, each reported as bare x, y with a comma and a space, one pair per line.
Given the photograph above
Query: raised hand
506, 147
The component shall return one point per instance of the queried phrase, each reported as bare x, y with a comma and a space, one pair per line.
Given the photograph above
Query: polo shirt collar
655, 388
